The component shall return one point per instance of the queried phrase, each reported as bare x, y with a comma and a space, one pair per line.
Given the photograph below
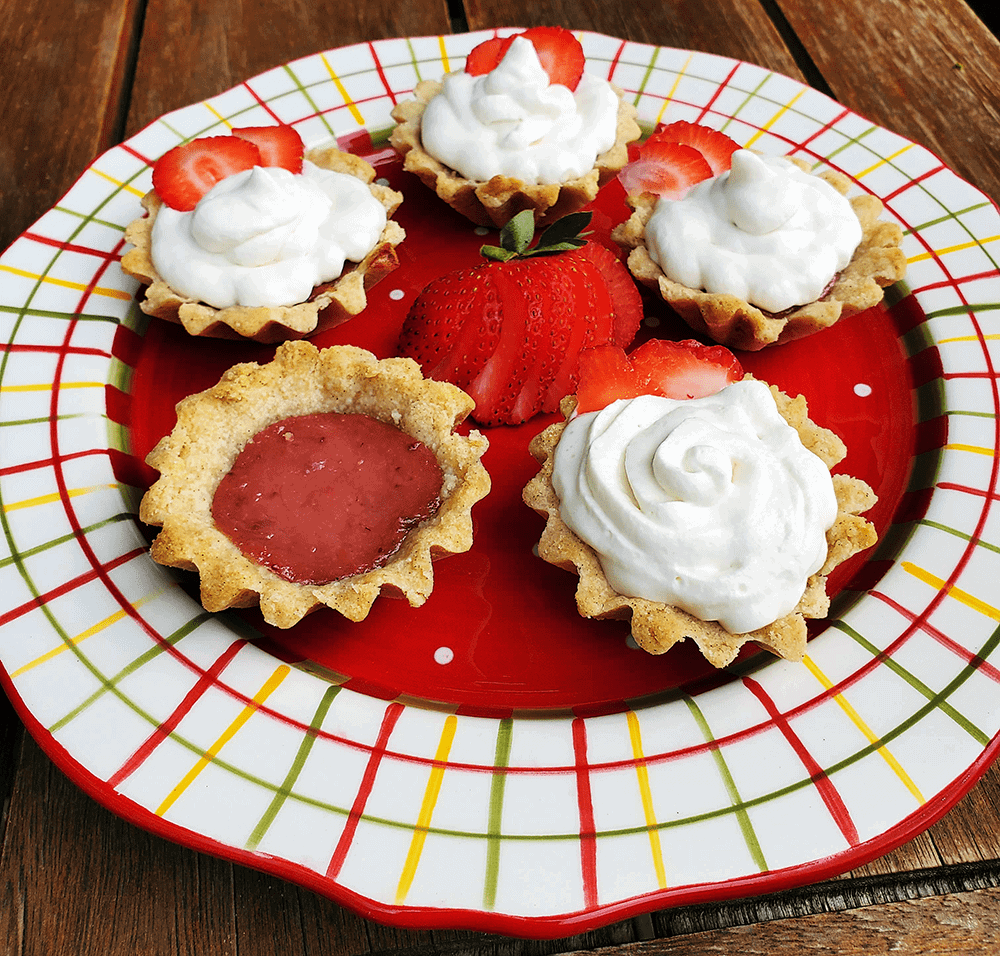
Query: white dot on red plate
481, 231
863, 390
444, 655
382, 181
630, 642
652, 321
396, 294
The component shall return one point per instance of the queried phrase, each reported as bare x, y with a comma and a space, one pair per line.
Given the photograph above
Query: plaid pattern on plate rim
523, 825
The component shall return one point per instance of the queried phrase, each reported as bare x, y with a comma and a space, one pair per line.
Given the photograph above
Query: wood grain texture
52, 129
736, 28
931, 76
951, 925
193, 50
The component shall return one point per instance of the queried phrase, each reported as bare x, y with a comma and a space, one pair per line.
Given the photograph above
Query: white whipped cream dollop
267, 236
766, 231
514, 122
712, 505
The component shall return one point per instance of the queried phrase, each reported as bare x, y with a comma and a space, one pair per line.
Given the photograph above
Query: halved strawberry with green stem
510, 331
559, 52
679, 370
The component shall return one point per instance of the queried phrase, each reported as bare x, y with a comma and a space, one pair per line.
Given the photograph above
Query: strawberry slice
496, 387
453, 326
679, 370
487, 56
551, 319
590, 305
626, 302
716, 148
278, 145
668, 170
185, 173
559, 52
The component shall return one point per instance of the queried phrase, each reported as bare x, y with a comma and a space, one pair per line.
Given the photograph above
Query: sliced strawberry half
278, 145
453, 326
626, 302
559, 52
716, 147
487, 56
551, 320
679, 370
185, 173
496, 387
668, 170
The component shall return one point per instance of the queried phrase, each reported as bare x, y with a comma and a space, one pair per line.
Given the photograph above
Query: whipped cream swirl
514, 122
712, 505
266, 236
766, 231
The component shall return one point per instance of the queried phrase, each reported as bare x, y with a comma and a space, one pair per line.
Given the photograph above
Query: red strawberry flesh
678, 370
278, 145
185, 173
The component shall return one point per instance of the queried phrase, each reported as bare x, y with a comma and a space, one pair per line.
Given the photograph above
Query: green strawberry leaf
562, 236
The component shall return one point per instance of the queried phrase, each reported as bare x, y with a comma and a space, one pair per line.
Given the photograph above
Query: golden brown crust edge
877, 262
495, 202
339, 301
656, 626
214, 425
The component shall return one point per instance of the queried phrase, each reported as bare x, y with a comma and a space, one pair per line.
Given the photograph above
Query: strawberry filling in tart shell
262, 493
348, 491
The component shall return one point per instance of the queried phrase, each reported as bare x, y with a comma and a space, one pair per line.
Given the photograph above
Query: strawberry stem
515, 237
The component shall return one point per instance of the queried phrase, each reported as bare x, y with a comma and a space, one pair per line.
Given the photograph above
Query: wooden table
79, 78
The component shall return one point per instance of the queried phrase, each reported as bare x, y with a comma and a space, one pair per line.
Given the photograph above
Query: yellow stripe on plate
774, 119
64, 283
642, 774
975, 449
882, 162
118, 183
872, 737
341, 89
431, 794
54, 496
958, 594
444, 55
82, 636
47, 386
269, 686
957, 248
673, 89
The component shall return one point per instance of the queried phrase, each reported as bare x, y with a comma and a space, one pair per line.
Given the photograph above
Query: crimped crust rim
344, 298
495, 202
877, 262
656, 626
214, 425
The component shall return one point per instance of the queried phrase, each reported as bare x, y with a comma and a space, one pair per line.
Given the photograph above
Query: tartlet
495, 202
657, 626
330, 303
877, 262
214, 426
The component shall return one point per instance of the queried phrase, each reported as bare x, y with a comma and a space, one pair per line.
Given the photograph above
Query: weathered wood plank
733, 28
53, 128
193, 50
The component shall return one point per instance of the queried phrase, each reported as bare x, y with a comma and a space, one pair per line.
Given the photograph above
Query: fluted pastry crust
877, 262
657, 626
496, 202
214, 425
332, 304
